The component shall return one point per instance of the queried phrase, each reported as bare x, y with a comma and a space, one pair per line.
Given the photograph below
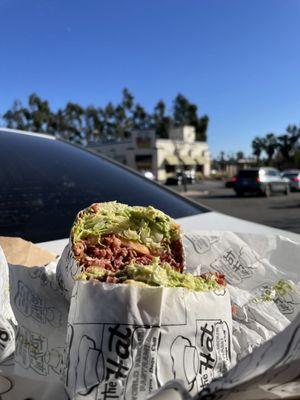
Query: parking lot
278, 211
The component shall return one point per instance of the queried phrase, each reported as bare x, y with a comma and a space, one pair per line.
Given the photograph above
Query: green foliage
257, 146
297, 159
161, 121
186, 113
270, 144
240, 155
280, 150
92, 124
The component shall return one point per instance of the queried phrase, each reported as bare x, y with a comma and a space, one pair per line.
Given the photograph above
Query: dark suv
261, 181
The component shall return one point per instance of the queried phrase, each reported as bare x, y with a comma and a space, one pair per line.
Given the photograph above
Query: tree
257, 146
186, 113
269, 144
122, 123
59, 125
108, 114
160, 121
15, 118
127, 100
82, 125
74, 121
93, 124
181, 110
38, 115
240, 155
140, 119
288, 141
201, 128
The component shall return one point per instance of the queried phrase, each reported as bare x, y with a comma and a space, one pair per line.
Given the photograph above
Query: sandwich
116, 243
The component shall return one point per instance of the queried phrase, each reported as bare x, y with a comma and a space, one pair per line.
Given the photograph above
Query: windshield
45, 182
290, 175
248, 173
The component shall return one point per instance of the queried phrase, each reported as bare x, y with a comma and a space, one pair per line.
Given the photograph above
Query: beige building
163, 157
231, 168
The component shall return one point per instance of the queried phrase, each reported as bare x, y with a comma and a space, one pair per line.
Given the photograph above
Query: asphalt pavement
278, 211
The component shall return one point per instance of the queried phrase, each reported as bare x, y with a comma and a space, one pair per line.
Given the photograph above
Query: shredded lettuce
143, 224
271, 293
155, 274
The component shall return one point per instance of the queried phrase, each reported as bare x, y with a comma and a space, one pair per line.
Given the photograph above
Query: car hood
209, 221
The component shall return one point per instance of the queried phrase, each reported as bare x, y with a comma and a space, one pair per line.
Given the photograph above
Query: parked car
44, 182
189, 175
263, 181
174, 180
293, 175
180, 178
230, 182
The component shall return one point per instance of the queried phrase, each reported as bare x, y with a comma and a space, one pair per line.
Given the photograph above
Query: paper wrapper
265, 342
67, 270
36, 326
7, 320
195, 343
127, 340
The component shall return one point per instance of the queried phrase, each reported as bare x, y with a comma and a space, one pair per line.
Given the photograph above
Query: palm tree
270, 144
257, 146
287, 142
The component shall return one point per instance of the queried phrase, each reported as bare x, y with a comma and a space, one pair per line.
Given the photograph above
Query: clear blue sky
238, 60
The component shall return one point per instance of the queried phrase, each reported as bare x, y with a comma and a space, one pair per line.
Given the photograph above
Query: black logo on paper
106, 362
89, 369
185, 361
32, 305
198, 363
32, 352
237, 266
40, 274
201, 244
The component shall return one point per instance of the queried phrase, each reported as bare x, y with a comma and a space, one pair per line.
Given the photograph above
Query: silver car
264, 180
293, 175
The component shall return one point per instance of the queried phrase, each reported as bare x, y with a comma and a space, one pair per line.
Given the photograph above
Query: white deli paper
35, 370
126, 341
67, 270
193, 331
7, 320
262, 330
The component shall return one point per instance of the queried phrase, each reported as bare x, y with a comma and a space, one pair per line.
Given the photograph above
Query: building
232, 167
163, 157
